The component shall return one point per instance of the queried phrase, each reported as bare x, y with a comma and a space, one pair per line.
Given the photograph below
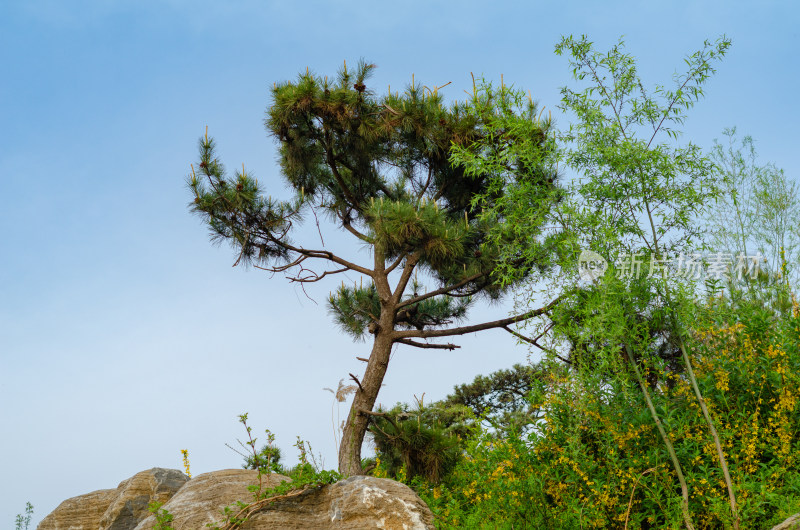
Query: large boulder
119, 509
135, 495
203, 498
354, 503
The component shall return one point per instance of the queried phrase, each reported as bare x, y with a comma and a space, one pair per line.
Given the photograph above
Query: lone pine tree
380, 168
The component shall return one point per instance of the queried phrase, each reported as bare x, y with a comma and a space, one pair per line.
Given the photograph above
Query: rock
791, 523
136, 493
203, 498
118, 509
79, 513
354, 503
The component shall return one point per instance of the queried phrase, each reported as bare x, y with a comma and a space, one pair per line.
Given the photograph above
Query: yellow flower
185, 453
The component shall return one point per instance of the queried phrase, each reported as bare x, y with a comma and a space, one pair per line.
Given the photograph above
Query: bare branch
319, 230
330, 256
349, 227
354, 378
426, 345
443, 290
426, 185
408, 268
396, 262
314, 276
480, 327
535, 342
380, 415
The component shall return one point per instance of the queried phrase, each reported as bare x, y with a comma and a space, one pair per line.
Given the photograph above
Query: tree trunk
355, 427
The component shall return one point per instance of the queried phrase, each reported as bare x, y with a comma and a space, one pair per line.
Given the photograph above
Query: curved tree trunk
356, 425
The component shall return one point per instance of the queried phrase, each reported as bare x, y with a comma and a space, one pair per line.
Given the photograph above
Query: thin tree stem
687, 518
720, 453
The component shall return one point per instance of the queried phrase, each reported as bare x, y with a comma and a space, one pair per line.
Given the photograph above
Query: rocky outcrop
203, 498
119, 509
79, 513
353, 503
135, 495
792, 523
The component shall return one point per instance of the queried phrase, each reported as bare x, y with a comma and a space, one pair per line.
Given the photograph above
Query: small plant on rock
307, 474
163, 517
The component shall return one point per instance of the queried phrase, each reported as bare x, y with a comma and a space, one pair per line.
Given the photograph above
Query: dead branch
443, 290
354, 378
380, 415
426, 345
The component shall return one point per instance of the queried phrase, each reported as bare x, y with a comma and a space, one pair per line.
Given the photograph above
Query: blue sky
125, 336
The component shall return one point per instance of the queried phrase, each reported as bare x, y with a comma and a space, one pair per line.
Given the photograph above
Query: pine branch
349, 227
408, 269
339, 180
444, 290
480, 327
397, 262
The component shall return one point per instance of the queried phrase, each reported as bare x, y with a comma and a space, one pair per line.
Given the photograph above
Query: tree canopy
379, 168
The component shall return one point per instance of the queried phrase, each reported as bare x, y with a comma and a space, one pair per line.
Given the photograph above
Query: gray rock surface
354, 503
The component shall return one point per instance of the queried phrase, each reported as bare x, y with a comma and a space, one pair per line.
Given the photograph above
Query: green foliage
596, 323
597, 461
627, 336
23, 521
636, 194
759, 211
378, 165
518, 154
501, 399
424, 442
163, 517
355, 308
267, 459
647, 195
427, 441
305, 475
636, 190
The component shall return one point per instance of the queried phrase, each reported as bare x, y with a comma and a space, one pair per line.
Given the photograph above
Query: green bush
596, 460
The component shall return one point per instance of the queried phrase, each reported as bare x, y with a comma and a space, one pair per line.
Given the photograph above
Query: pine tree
380, 168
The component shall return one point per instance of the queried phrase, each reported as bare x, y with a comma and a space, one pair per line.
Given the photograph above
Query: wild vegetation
667, 392
662, 401
22, 522
595, 459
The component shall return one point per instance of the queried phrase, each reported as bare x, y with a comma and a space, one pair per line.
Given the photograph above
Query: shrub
596, 460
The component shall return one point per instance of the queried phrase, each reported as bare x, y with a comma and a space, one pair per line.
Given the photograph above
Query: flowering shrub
597, 461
